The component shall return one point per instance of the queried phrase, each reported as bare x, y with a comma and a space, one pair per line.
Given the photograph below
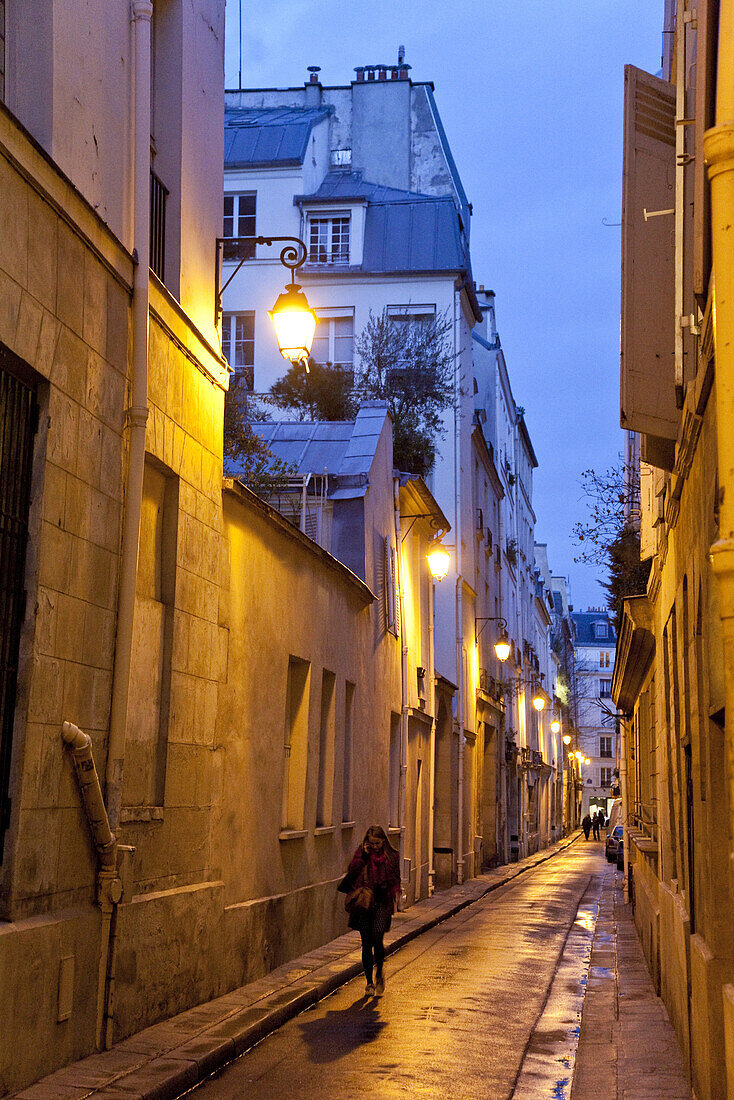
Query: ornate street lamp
567, 739
556, 728
293, 319
502, 646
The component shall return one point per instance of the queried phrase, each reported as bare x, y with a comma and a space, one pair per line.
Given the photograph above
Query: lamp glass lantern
438, 561
567, 739
295, 324
538, 702
556, 727
502, 647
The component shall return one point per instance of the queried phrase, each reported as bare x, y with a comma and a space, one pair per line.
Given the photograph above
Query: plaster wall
381, 137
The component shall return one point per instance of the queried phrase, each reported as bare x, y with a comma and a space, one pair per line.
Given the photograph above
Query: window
605, 688
328, 240
239, 224
605, 777
392, 601
605, 746
324, 797
295, 744
333, 342
238, 344
157, 247
2, 49
604, 658
348, 753
411, 314
601, 630
394, 774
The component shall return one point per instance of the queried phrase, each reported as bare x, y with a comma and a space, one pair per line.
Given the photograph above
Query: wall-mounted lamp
439, 560
567, 739
539, 702
556, 728
293, 319
502, 646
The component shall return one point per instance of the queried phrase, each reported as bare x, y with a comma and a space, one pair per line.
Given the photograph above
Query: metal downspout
403, 689
625, 805
460, 686
137, 414
718, 144
432, 743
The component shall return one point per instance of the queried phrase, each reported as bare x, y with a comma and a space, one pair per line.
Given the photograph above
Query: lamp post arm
489, 619
292, 257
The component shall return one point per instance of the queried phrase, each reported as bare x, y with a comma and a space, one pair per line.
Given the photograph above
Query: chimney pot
314, 70
359, 70
370, 72
382, 72
401, 55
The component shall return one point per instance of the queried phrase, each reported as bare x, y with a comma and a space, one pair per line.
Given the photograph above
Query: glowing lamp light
502, 648
579, 756
567, 739
538, 702
438, 561
295, 324
556, 727
586, 760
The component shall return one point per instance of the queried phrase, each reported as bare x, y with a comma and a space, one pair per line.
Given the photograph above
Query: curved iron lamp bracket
489, 619
433, 522
292, 257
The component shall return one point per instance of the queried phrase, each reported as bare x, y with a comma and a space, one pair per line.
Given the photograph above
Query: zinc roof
262, 136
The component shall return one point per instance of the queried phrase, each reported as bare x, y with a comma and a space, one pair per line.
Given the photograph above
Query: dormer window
328, 239
601, 630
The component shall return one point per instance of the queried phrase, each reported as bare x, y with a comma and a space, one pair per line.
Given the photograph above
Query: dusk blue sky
531, 97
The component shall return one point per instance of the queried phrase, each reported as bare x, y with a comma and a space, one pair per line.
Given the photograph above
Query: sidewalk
627, 1047
165, 1060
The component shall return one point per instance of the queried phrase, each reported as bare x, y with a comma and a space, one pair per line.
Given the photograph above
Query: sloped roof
349, 186
256, 137
584, 624
343, 449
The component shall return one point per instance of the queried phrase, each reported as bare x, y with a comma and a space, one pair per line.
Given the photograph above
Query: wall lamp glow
439, 560
567, 739
556, 727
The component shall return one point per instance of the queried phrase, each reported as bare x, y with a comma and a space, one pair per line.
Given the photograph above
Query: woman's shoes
370, 990
379, 984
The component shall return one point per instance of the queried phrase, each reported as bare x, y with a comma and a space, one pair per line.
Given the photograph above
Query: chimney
382, 72
359, 70
313, 87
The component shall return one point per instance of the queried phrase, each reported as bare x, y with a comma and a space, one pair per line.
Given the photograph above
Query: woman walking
372, 883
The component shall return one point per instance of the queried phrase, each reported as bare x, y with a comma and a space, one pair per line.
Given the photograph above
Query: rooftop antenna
239, 35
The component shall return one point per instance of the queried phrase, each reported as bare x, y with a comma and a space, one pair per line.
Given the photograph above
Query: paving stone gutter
168, 1058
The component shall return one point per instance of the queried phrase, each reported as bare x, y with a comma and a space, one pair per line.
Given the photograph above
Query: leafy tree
246, 455
411, 366
325, 393
611, 536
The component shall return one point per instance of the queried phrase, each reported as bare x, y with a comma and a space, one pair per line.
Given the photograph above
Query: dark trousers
373, 953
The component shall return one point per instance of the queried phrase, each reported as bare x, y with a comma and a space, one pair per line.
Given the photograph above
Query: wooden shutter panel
647, 382
707, 19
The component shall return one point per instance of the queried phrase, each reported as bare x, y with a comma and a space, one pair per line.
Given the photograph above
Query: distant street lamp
538, 702
556, 728
567, 739
293, 319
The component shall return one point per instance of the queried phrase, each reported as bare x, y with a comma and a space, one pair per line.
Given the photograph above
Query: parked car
613, 843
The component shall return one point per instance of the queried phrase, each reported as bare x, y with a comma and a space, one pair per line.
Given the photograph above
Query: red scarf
380, 872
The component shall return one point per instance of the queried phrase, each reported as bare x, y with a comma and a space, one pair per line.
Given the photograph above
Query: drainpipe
718, 145
432, 748
109, 886
625, 805
137, 414
460, 686
403, 689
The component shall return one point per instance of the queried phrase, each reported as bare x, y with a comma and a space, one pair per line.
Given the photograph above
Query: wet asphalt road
459, 1008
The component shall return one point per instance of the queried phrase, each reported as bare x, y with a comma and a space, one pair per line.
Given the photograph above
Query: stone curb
158, 1064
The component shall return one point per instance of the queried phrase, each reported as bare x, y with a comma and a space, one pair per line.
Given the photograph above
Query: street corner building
673, 680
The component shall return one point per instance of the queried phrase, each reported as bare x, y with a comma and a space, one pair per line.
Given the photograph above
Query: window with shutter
704, 78
647, 388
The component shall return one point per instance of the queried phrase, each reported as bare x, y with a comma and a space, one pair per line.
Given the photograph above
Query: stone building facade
673, 677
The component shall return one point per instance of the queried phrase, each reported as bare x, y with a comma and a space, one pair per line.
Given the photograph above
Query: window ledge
292, 834
324, 830
130, 815
348, 825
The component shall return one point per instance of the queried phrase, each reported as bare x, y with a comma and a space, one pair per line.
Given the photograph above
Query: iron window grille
158, 197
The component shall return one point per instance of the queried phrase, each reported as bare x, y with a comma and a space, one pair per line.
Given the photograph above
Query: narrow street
460, 1007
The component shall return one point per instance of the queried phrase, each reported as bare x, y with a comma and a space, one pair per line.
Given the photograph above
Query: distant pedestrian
595, 824
586, 825
372, 883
